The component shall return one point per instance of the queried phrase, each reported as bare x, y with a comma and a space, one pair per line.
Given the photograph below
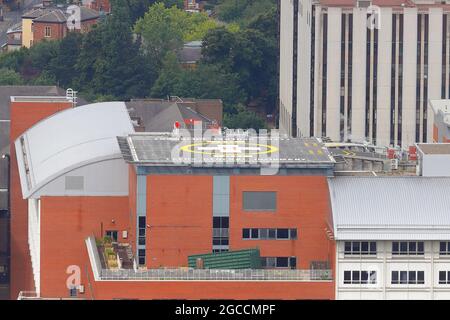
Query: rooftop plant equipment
240, 259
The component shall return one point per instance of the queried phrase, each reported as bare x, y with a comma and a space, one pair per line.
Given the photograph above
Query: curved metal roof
69, 140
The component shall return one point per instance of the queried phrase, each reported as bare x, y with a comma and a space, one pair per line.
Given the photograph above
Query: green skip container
240, 259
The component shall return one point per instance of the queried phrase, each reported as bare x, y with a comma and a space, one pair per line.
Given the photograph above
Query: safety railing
188, 274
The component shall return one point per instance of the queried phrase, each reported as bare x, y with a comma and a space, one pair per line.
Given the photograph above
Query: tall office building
363, 70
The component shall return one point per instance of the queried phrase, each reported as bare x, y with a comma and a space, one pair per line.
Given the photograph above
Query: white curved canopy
69, 140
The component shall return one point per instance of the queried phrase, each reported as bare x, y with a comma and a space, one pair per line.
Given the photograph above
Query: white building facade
363, 70
392, 237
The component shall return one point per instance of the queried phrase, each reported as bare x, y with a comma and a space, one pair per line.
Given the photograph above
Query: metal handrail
189, 274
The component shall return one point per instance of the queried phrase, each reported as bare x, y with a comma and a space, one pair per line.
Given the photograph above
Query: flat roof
434, 148
170, 150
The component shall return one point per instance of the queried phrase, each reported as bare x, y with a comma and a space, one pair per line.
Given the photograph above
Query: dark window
293, 234
360, 277
408, 277
444, 248
442, 277
259, 201
412, 277
272, 234
403, 277
347, 277
141, 256
348, 247
113, 234
269, 234
142, 222
408, 248
73, 292
360, 248
420, 277
394, 277
293, 262
282, 262
364, 277
282, 233
395, 248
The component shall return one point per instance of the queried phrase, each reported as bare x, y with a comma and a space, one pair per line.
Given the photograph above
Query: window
72, 291
282, 233
141, 256
360, 277
279, 262
269, 234
259, 201
444, 277
220, 231
444, 248
407, 277
113, 234
408, 248
48, 32
360, 248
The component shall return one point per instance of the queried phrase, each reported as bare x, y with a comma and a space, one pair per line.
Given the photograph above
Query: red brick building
87, 184
52, 23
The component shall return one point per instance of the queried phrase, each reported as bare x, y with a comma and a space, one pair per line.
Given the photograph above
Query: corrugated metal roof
383, 207
71, 139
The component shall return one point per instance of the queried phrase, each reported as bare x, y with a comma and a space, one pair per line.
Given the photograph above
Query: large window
220, 231
142, 231
444, 248
259, 201
279, 262
360, 277
408, 277
444, 277
408, 248
360, 248
269, 234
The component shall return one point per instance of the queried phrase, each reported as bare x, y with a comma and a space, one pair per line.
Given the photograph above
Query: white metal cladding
397, 208
69, 140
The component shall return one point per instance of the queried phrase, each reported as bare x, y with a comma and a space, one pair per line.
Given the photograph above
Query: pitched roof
390, 208
59, 14
160, 115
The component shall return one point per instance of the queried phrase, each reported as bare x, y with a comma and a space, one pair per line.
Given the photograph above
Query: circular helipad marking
229, 148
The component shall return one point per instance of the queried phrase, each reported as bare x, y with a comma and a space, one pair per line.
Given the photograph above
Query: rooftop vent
364, 3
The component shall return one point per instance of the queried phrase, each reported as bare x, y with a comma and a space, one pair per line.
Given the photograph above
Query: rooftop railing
188, 274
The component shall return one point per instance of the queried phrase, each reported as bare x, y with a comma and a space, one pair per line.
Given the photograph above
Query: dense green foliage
132, 53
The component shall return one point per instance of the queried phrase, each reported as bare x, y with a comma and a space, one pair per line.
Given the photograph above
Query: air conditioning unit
364, 3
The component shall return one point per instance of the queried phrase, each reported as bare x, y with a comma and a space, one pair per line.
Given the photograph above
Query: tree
205, 82
250, 54
62, 67
165, 30
243, 119
243, 11
9, 77
109, 62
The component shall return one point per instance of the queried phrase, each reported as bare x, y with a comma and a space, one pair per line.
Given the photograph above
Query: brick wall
23, 116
